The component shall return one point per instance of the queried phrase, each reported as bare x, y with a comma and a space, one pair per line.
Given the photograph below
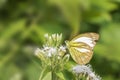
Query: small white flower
92, 74
79, 69
51, 51
62, 48
94, 77
61, 51
50, 39
54, 37
40, 53
37, 51
59, 37
49, 55
46, 48
46, 36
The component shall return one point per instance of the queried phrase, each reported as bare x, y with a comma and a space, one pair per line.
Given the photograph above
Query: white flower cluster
50, 51
86, 69
51, 47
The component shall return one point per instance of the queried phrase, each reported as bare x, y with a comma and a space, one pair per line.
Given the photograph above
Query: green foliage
110, 42
23, 24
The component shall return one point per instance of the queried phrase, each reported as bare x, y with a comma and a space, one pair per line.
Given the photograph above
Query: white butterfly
81, 47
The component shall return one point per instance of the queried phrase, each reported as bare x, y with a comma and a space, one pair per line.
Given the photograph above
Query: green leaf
68, 75
60, 75
47, 76
45, 71
70, 64
65, 75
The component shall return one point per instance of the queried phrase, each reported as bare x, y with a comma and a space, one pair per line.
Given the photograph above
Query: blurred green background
23, 24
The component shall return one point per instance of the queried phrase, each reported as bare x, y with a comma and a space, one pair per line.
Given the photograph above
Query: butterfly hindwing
81, 54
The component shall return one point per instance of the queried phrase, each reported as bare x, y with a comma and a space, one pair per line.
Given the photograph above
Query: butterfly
81, 47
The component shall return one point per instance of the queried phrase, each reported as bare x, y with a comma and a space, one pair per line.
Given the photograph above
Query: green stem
53, 66
53, 76
41, 74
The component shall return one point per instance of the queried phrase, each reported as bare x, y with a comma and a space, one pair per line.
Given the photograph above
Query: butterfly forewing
87, 38
81, 47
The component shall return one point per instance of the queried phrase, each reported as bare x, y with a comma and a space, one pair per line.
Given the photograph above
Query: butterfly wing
81, 53
87, 38
81, 47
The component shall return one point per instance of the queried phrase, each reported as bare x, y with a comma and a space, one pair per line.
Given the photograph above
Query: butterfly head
67, 43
